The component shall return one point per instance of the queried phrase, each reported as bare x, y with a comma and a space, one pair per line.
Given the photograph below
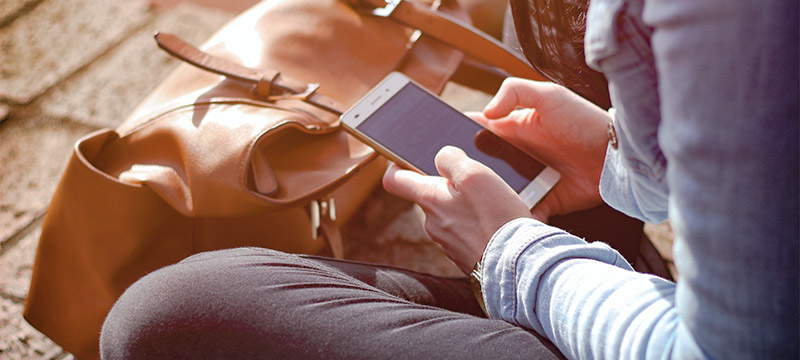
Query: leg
259, 303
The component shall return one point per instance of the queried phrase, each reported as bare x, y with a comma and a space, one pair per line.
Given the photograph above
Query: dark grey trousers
253, 303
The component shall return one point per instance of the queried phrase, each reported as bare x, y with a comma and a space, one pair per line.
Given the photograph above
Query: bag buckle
319, 208
387, 10
304, 96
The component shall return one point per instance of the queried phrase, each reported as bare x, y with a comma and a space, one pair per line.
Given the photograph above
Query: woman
704, 131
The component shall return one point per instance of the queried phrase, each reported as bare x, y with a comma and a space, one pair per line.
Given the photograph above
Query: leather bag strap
269, 85
454, 32
333, 237
322, 214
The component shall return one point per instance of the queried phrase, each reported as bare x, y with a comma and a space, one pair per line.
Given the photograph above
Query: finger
450, 161
514, 93
508, 127
454, 164
479, 118
478, 182
410, 185
541, 212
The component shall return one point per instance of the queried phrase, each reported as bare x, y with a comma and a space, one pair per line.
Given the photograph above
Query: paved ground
68, 67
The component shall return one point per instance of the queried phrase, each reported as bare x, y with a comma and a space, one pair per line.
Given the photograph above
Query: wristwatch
475, 279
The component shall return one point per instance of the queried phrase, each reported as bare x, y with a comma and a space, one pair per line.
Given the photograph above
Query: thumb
411, 185
515, 93
507, 127
455, 165
479, 118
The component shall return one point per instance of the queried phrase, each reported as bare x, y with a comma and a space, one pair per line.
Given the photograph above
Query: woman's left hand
464, 206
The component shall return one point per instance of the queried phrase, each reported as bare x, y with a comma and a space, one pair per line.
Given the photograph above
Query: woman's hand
464, 206
468, 203
561, 129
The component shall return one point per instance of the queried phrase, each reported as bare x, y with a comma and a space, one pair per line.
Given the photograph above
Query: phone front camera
357, 115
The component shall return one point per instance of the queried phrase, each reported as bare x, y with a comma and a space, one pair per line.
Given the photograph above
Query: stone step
16, 264
34, 150
58, 37
18, 340
10, 9
108, 90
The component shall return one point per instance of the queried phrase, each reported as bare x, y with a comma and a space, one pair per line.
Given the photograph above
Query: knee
144, 311
177, 306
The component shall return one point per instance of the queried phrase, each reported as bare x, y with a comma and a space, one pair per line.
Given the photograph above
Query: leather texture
266, 83
463, 36
227, 155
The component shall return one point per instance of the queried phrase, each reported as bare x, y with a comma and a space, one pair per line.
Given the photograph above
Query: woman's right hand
559, 128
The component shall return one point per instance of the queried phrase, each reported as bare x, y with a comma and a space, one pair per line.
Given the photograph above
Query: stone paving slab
108, 90
10, 8
234, 6
41, 47
388, 230
18, 340
34, 150
4, 110
16, 264
406, 244
463, 98
408, 226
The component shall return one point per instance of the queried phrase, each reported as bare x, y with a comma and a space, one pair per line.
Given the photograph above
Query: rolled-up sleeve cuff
630, 192
613, 178
518, 255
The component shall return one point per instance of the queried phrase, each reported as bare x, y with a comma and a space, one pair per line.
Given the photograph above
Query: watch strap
475, 280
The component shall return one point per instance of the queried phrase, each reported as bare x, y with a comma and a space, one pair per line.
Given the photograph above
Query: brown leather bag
210, 161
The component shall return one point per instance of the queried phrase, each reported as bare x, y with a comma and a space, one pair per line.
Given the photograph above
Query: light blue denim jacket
706, 99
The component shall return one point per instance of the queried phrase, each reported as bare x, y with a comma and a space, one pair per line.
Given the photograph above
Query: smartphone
409, 125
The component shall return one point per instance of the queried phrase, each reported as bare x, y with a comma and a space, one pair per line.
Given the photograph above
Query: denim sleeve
583, 297
633, 180
635, 195
728, 79
726, 76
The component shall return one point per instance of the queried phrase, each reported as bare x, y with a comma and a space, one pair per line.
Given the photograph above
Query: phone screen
415, 125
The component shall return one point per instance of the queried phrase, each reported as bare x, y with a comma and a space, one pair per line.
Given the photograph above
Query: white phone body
409, 125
